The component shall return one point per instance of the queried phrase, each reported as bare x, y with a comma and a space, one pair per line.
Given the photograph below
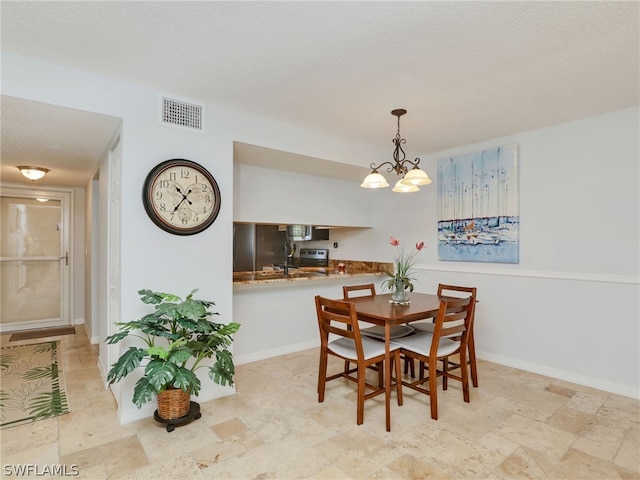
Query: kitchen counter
303, 274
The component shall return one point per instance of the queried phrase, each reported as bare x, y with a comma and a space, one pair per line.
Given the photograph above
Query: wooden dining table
379, 310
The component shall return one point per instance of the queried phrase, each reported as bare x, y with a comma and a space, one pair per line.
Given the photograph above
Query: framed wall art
478, 206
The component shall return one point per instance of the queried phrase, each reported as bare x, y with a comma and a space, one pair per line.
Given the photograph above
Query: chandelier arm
373, 167
414, 163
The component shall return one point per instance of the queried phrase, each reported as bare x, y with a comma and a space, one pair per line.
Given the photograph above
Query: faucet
289, 252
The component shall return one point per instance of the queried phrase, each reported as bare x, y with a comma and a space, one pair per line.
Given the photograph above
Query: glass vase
399, 293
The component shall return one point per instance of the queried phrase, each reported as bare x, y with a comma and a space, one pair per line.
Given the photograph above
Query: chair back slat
339, 318
455, 317
364, 290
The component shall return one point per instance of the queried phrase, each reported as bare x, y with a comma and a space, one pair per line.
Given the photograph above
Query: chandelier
412, 178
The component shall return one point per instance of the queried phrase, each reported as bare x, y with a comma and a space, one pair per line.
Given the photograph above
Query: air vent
181, 114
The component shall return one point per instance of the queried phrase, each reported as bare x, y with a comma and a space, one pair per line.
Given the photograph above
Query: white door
35, 258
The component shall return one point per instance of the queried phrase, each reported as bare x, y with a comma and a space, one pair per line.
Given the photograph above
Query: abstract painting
478, 208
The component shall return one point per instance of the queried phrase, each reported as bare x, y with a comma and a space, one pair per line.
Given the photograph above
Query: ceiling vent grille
181, 114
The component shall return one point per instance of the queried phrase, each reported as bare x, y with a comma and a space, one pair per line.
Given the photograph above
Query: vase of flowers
401, 281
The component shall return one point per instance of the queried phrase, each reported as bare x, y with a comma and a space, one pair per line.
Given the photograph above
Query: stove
314, 257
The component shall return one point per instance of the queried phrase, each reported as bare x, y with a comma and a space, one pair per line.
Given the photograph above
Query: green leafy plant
178, 336
404, 264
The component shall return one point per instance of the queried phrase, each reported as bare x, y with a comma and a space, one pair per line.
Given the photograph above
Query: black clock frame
148, 203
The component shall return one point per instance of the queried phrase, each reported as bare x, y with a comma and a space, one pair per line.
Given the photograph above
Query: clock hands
184, 197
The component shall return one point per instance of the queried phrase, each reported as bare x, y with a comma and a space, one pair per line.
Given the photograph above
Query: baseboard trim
275, 352
584, 380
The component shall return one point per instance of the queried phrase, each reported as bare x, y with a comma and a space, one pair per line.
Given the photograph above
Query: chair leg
433, 389
422, 370
380, 367
322, 375
445, 368
464, 374
409, 366
472, 360
361, 387
398, 377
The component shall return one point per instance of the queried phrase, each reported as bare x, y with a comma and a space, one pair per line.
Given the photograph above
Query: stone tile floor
517, 425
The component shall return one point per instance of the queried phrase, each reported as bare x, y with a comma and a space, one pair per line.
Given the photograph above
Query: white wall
570, 308
78, 259
150, 257
269, 196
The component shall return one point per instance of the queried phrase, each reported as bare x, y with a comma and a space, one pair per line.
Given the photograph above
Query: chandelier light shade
404, 188
33, 173
416, 177
374, 180
412, 178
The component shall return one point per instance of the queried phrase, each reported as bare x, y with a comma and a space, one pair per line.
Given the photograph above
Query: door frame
66, 198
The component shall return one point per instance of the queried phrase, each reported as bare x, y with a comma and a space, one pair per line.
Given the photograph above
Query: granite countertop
352, 269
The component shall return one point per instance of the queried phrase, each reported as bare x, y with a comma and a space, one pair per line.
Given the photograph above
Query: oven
313, 257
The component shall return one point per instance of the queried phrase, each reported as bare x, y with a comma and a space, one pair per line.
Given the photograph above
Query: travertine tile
228, 428
538, 436
357, 453
174, 467
595, 449
524, 463
29, 436
575, 464
286, 458
629, 454
158, 444
407, 467
570, 420
226, 448
42, 455
517, 425
330, 472
118, 457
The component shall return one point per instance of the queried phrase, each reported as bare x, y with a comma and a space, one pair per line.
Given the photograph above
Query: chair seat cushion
396, 331
428, 327
346, 347
420, 343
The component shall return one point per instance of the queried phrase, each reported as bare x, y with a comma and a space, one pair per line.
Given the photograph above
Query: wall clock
181, 197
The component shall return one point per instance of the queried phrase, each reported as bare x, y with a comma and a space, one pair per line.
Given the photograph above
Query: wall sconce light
33, 173
411, 178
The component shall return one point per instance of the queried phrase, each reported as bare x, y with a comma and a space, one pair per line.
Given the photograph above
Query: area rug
42, 333
31, 384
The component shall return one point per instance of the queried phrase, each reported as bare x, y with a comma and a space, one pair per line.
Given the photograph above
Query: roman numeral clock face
181, 197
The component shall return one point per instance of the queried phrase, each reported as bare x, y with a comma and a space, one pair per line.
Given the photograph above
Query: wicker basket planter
173, 404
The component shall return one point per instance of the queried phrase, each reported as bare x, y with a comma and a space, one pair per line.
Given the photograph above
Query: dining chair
429, 327
377, 331
339, 318
450, 337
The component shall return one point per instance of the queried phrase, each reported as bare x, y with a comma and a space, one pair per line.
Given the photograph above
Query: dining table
380, 310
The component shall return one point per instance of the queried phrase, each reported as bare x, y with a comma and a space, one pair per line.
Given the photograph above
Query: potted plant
402, 280
178, 337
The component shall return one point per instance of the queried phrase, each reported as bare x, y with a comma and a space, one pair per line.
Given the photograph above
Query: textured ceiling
465, 71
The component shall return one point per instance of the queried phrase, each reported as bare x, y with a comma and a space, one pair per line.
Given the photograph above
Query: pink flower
402, 277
